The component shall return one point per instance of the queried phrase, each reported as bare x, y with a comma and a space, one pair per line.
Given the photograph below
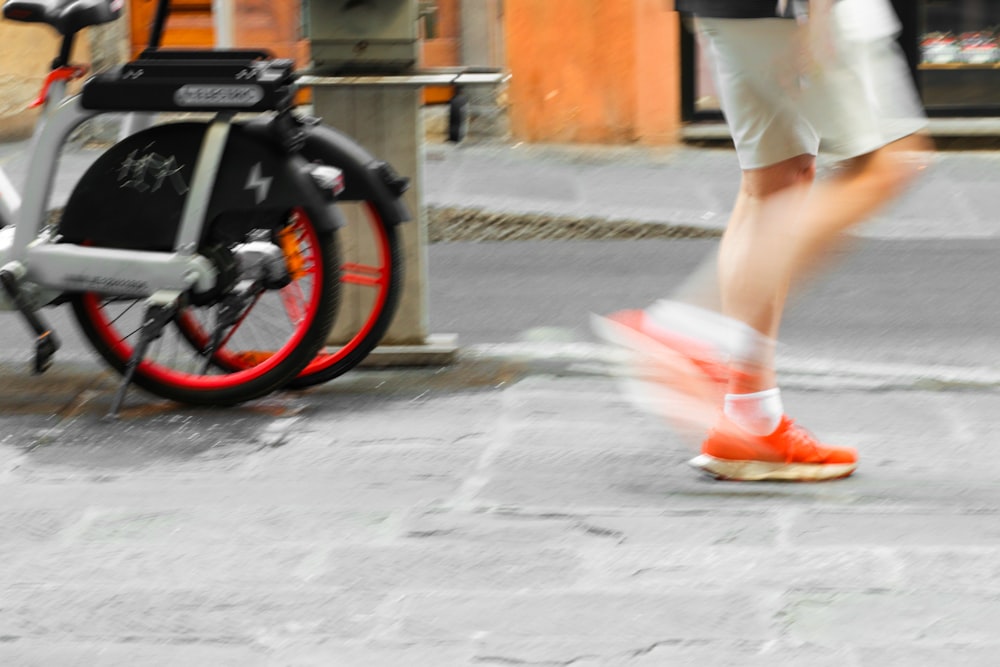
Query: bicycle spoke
363, 274
293, 298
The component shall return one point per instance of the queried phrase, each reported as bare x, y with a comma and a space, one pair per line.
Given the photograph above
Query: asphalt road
914, 302
921, 302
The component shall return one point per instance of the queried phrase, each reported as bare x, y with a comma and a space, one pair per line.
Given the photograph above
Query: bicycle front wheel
246, 341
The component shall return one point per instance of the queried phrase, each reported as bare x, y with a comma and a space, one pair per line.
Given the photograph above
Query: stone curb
446, 223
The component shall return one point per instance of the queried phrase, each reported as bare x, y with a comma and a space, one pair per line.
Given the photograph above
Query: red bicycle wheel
370, 283
276, 332
371, 280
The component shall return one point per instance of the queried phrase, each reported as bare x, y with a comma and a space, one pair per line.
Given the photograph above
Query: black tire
262, 352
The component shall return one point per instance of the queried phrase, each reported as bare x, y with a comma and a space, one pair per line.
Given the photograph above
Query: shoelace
801, 442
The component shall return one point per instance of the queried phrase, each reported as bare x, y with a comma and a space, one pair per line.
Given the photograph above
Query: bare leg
784, 227
753, 233
701, 287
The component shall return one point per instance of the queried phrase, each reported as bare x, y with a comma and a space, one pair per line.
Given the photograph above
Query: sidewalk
493, 513
512, 509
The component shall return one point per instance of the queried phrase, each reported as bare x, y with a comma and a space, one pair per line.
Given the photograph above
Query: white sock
758, 413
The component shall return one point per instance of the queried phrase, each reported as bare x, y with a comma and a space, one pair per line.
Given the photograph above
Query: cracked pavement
514, 509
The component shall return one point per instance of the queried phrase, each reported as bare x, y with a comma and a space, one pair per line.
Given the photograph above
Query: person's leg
786, 228
686, 345
785, 231
750, 235
860, 189
775, 147
780, 228
701, 287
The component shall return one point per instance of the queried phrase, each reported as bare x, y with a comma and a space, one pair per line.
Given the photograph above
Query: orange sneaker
635, 331
667, 374
789, 454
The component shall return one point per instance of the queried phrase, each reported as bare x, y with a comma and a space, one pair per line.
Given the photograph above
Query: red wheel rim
378, 276
236, 362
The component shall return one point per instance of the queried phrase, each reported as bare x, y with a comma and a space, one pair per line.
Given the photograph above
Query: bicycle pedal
46, 342
45, 350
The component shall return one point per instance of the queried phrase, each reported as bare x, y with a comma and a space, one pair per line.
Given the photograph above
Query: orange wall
267, 24
593, 71
189, 25
274, 25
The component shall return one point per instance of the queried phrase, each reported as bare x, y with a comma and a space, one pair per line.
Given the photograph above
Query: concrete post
385, 121
482, 46
382, 113
475, 17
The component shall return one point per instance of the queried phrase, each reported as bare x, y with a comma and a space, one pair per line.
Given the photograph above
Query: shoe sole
762, 471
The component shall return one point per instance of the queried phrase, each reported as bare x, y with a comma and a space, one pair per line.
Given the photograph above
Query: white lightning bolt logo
258, 183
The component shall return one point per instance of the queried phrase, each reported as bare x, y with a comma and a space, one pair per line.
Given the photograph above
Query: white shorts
861, 98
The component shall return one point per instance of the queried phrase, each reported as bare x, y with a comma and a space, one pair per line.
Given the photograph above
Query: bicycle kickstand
46, 341
160, 309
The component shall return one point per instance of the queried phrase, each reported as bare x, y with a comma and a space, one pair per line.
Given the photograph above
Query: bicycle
228, 288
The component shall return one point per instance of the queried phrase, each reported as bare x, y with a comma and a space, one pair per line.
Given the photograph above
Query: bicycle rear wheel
371, 281
266, 332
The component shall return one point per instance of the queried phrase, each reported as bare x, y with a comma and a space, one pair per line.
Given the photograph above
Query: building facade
585, 71
953, 48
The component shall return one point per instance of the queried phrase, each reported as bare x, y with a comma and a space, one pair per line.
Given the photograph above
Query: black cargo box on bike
194, 80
